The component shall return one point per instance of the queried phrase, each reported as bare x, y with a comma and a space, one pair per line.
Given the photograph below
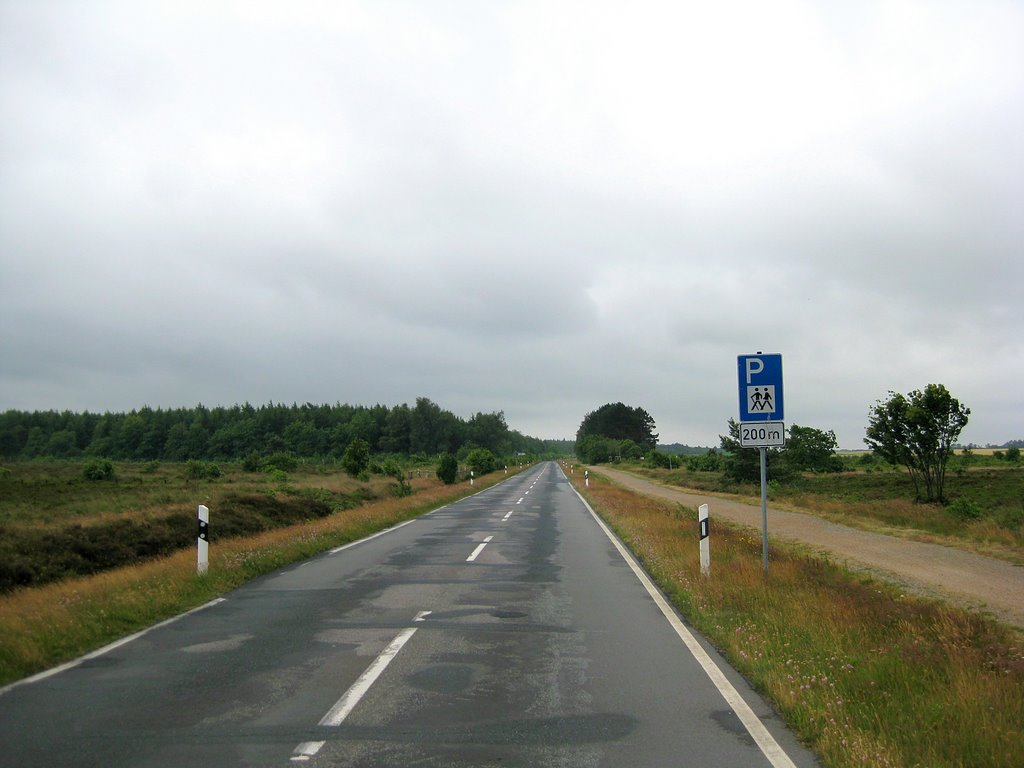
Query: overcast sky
532, 207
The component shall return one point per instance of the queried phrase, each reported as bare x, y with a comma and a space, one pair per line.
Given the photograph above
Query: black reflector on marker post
203, 562
705, 540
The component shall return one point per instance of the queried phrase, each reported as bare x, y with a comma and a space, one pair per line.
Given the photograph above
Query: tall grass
885, 499
45, 626
865, 675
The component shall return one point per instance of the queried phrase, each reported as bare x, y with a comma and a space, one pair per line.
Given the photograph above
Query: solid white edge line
107, 648
764, 740
351, 544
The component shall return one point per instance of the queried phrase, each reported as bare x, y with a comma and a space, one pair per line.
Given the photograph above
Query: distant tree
357, 457
488, 430
630, 450
619, 422
595, 449
304, 439
744, 464
711, 461
176, 447
811, 450
62, 445
448, 469
481, 461
397, 430
659, 459
918, 431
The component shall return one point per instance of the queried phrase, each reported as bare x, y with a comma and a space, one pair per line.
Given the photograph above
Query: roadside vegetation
63, 519
984, 510
42, 626
863, 673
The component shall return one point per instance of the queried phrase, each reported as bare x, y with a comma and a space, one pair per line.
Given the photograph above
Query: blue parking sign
760, 379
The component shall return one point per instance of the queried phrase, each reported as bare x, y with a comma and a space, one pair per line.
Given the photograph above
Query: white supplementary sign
762, 434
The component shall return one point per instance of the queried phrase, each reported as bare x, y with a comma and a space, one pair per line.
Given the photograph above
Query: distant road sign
760, 379
762, 434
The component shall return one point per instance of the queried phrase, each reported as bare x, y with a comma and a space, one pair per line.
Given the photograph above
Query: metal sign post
764, 508
761, 414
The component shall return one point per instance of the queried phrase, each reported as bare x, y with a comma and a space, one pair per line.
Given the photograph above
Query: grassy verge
986, 512
865, 675
45, 626
55, 524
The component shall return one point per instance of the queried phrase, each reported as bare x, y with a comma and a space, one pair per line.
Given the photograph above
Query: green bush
391, 468
280, 460
98, 469
448, 469
964, 509
707, 462
356, 459
252, 462
481, 461
201, 470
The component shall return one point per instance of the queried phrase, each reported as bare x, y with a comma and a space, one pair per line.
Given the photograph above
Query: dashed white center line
479, 549
507, 515
343, 707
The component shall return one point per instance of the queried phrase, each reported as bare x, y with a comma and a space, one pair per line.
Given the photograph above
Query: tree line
238, 431
918, 431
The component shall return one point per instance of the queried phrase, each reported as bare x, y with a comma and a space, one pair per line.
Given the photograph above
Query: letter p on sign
755, 365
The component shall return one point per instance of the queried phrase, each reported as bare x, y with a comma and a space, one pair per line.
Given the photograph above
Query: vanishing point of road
507, 629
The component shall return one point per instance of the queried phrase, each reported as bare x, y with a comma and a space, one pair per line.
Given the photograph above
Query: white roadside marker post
705, 540
471, 477
204, 540
586, 477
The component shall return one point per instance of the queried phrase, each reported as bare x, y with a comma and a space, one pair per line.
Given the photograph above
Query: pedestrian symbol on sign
761, 399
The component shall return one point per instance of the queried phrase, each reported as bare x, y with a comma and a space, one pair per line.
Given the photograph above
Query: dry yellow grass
45, 626
866, 675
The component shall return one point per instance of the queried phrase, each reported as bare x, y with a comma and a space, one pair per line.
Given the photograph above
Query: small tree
744, 464
918, 431
448, 469
811, 450
356, 457
481, 461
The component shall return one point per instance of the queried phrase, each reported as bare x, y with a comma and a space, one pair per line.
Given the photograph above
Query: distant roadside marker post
705, 540
761, 414
204, 540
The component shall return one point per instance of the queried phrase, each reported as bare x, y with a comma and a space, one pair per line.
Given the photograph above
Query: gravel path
974, 581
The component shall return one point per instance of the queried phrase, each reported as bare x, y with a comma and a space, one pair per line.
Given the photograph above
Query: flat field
984, 513
56, 524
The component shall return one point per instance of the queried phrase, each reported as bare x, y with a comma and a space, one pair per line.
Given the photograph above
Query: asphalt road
504, 630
